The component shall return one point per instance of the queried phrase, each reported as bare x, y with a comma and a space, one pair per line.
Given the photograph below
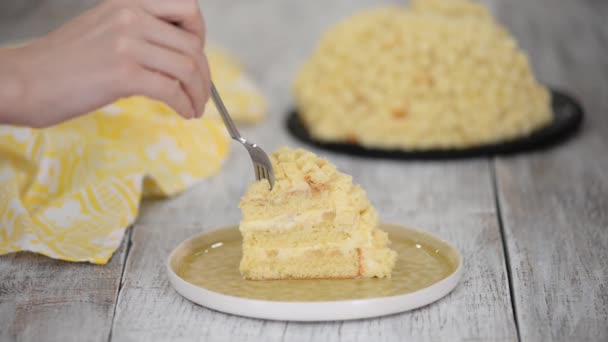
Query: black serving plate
567, 117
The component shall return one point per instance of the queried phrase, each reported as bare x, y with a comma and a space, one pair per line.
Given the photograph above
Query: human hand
117, 49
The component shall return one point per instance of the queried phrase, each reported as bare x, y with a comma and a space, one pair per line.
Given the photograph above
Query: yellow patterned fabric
70, 191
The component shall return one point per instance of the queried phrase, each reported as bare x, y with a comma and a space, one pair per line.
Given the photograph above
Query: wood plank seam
284, 331
505, 247
121, 280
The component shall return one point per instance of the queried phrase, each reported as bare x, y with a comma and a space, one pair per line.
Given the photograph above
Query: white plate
326, 310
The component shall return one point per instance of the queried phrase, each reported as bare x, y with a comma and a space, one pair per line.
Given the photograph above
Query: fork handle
219, 104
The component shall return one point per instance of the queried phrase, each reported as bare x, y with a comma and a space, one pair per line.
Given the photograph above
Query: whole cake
314, 223
438, 74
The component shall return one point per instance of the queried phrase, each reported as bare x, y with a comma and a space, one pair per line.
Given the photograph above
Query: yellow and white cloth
70, 191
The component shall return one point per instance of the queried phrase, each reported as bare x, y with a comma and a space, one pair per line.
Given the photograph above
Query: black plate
567, 117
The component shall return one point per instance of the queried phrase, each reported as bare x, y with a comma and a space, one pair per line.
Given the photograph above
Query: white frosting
343, 247
287, 221
371, 264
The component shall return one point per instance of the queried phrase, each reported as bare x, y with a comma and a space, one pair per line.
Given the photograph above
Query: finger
186, 13
163, 33
163, 88
180, 67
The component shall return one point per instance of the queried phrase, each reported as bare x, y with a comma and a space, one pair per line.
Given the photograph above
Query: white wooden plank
42, 299
555, 203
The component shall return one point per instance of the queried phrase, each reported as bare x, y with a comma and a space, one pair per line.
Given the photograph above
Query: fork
261, 163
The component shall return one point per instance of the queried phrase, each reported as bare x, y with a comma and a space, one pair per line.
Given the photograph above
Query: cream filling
287, 221
290, 252
286, 253
371, 264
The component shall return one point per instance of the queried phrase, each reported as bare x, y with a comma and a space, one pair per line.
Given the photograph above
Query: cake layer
297, 202
320, 229
316, 263
320, 234
325, 263
269, 204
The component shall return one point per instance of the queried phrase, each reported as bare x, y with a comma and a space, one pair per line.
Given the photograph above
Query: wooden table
533, 228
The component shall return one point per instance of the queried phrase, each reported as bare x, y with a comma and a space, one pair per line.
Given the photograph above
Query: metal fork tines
261, 163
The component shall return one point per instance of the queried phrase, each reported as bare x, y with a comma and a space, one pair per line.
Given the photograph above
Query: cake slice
314, 223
